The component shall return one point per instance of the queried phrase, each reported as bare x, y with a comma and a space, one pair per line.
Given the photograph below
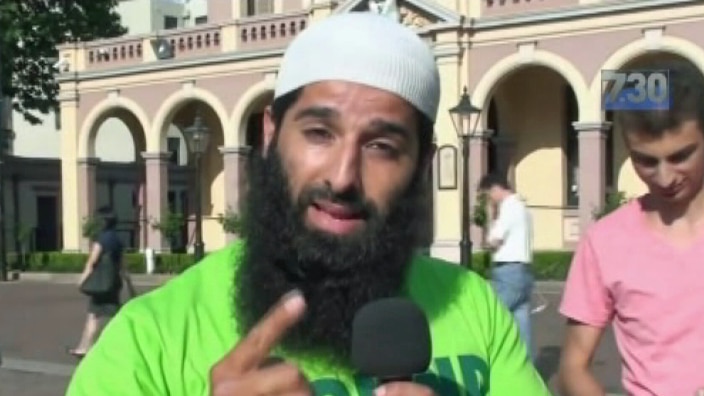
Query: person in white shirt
510, 238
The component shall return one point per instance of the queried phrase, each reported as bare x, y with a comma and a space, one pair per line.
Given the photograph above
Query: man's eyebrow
316, 112
635, 153
380, 125
684, 151
391, 128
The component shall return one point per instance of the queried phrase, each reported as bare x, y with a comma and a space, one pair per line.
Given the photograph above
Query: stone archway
528, 113
483, 91
244, 137
252, 128
110, 178
638, 49
106, 109
251, 102
171, 170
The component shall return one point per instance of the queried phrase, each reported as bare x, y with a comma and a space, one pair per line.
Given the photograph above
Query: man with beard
640, 267
331, 222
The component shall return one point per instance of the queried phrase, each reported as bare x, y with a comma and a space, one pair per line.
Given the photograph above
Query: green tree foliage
91, 227
613, 201
231, 222
30, 30
481, 214
170, 226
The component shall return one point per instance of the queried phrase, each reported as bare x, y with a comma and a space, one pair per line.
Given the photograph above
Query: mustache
351, 198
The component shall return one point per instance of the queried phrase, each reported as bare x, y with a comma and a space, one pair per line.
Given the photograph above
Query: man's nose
665, 176
345, 171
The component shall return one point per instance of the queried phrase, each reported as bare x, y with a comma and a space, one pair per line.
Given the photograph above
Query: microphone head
391, 339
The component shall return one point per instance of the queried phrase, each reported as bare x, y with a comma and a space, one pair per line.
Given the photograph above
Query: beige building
534, 67
32, 172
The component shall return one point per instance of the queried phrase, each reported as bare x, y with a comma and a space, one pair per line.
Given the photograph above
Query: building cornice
68, 96
431, 7
573, 12
229, 57
160, 66
477, 24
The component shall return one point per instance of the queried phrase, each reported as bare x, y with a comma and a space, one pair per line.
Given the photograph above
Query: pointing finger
255, 347
280, 379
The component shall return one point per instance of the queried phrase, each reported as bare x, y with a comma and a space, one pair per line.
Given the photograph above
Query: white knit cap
363, 48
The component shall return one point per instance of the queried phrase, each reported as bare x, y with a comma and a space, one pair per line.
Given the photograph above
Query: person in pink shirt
641, 268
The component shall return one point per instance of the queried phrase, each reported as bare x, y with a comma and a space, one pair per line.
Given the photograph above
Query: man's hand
403, 389
242, 372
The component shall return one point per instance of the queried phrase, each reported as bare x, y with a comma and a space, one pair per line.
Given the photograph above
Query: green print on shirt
441, 377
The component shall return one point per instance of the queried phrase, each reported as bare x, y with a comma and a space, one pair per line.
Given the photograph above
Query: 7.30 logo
635, 90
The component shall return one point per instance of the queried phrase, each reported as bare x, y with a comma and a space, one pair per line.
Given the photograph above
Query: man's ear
268, 129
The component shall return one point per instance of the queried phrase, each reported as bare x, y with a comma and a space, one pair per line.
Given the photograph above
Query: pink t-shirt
624, 272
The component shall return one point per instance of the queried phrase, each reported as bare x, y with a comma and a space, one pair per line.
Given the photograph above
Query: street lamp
461, 116
197, 136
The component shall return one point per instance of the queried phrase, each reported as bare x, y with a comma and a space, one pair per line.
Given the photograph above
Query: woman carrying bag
101, 281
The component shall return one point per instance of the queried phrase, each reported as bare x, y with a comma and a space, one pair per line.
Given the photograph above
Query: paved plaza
39, 320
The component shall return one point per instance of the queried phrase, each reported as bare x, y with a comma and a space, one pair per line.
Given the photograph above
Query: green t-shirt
165, 342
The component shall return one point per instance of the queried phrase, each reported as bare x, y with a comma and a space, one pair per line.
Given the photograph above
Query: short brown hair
686, 84
493, 180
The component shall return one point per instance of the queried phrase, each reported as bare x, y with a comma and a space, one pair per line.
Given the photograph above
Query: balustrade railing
245, 34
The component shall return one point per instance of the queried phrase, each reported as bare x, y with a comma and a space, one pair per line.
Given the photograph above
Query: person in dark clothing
104, 306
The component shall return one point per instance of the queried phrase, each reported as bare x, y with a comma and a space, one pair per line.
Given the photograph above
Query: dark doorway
46, 237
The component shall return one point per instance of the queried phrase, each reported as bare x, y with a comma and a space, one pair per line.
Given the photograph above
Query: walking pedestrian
107, 250
510, 239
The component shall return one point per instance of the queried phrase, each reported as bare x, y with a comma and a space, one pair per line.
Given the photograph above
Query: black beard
337, 275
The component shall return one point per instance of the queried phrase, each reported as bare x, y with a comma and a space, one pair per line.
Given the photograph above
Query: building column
451, 59
478, 167
87, 194
157, 186
592, 170
235, 172
70, 196
140, 199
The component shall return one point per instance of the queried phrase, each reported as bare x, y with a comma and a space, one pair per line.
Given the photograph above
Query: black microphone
391, 340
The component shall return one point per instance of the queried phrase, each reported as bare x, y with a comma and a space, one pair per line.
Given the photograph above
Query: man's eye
383, 147
647, 162
317, 134
680, 157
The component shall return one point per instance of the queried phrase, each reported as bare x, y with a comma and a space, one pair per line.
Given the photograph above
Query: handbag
102, 279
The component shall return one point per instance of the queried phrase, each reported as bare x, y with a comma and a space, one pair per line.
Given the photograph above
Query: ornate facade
533, 67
